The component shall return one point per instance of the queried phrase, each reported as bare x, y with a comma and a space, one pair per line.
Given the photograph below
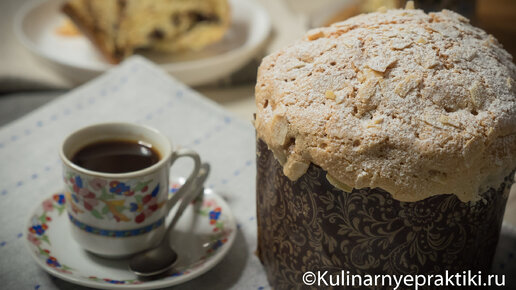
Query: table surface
26, 84
31, 168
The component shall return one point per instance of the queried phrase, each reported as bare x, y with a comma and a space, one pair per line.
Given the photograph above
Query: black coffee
116, 156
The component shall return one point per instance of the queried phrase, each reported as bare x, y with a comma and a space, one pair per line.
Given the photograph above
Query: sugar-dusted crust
416, 104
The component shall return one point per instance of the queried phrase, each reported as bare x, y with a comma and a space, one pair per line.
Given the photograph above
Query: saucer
202, 237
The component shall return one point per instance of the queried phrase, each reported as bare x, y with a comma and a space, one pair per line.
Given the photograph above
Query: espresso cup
119, 214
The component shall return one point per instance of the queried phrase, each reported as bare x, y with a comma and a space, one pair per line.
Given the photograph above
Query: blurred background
497, 17
26, 82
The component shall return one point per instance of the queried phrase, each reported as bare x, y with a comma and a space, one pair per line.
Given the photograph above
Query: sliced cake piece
118, 27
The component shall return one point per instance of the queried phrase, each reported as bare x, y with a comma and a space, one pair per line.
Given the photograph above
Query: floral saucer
202, 237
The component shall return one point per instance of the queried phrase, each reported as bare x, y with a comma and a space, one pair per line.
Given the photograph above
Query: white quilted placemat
136, 91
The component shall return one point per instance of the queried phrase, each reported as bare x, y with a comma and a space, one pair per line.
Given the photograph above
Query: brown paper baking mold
309, 225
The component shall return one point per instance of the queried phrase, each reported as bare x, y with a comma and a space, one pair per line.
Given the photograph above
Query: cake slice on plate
118, 27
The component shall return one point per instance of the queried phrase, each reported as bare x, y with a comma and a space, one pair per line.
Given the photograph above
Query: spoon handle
198, 187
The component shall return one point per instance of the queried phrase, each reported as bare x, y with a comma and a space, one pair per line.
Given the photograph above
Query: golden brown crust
416, 104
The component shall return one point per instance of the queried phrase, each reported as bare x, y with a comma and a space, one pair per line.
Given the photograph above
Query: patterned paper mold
309, 225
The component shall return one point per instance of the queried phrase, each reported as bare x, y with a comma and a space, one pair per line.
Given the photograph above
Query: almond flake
422, 40
330, 95
294, 169
489, 41
510, 85
351, 42
279, 130
431, 120
367, 90
314, 35
296, 65
341, 95
406, 85
280, 156
470, 55
410, 5
430, 61
380, 64
448, 121
401, 44
374, 123
476, 93
340, 185
446, 30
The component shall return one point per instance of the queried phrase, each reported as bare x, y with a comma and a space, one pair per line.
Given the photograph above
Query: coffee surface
116, 156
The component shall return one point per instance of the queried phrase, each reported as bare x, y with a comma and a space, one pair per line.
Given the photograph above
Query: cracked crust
416, 104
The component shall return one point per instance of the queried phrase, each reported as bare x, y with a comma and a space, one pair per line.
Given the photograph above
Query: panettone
415, 104
386, 145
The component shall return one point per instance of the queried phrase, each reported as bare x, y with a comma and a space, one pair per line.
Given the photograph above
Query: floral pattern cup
119, 214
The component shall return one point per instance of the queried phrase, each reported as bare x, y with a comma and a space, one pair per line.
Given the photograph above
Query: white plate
76, 58
202, 237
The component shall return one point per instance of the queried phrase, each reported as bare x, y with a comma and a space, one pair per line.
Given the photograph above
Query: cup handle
185, 189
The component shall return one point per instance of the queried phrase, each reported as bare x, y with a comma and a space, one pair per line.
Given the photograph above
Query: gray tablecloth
136, 91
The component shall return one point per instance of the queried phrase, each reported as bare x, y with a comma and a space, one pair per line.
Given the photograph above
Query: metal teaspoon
162, 258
